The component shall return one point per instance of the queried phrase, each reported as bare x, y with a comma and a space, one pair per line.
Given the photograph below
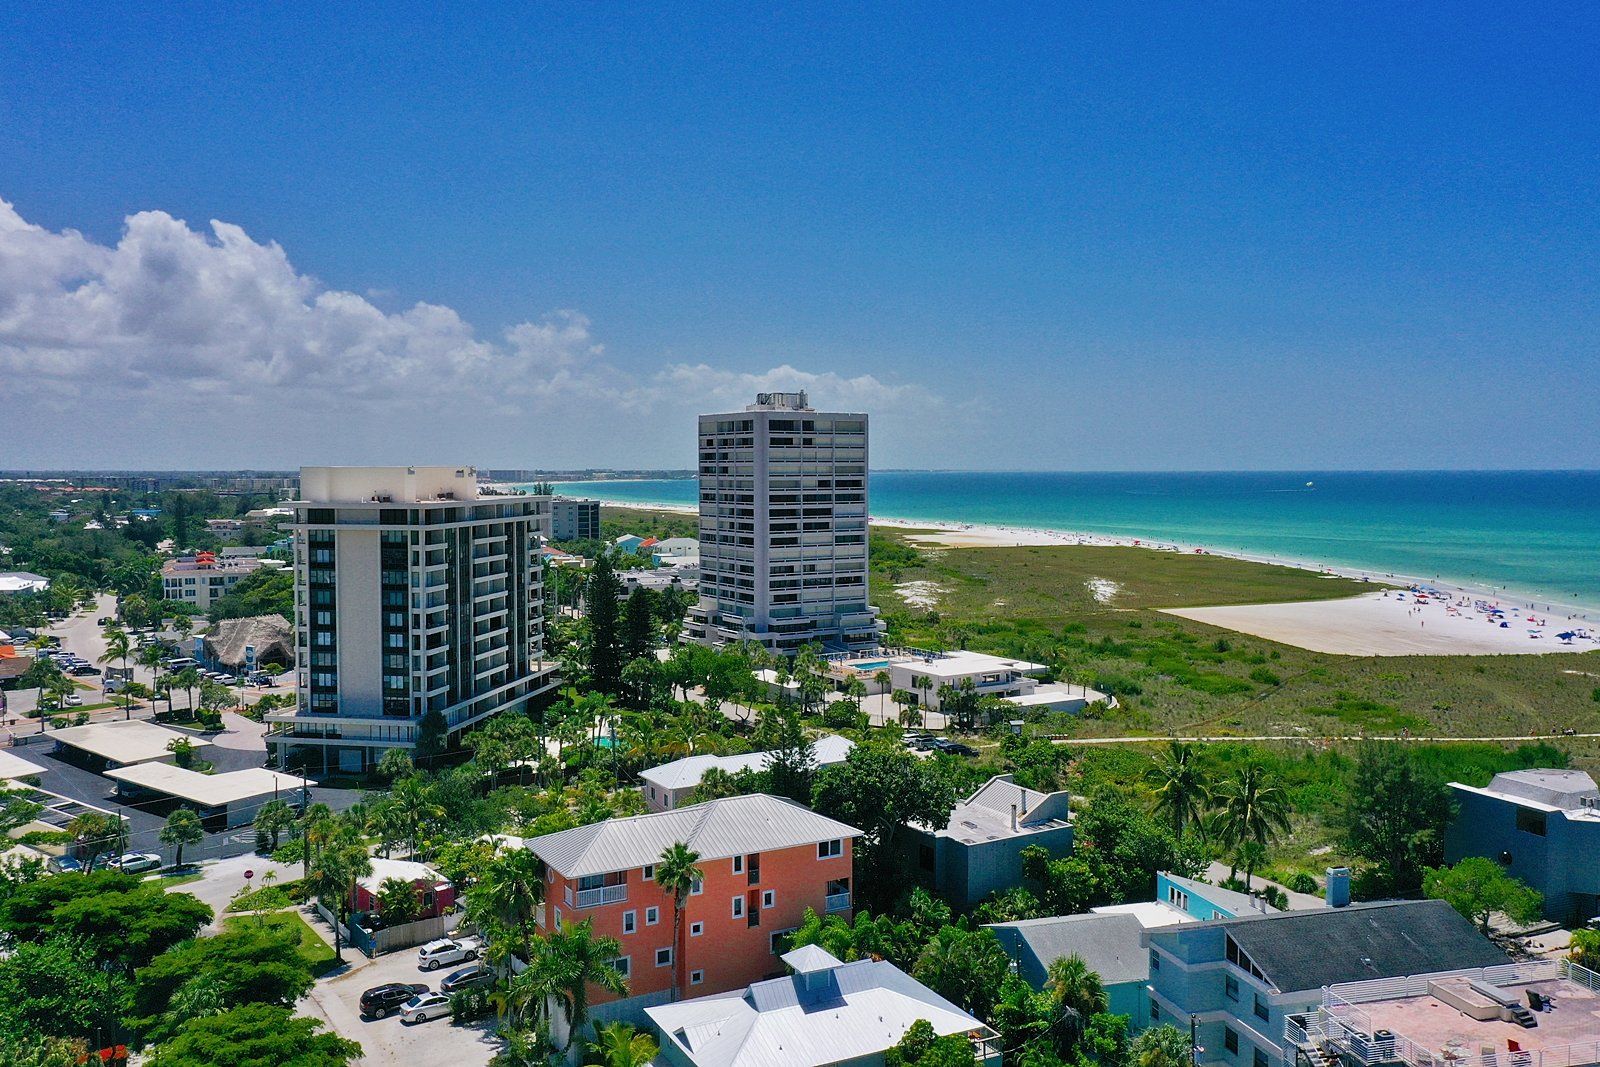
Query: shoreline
949, 534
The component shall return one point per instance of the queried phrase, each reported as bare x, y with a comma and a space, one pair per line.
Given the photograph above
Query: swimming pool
876, 664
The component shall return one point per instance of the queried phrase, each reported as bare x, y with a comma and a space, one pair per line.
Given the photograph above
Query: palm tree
182, 828
580, 960
620, 1045
677, 874
273, 819
1076, 989
527, 996
118, 647
98, 834
510, 892
42, 674
417, 809
334, 875
1250, 855
1250, 807
188, 680
316, 828
884, 681
924, 683
1180, 782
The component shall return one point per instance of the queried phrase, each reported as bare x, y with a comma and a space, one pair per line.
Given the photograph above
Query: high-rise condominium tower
783, 528
413, 594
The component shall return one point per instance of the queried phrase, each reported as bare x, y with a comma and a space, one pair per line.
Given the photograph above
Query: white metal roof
686, 773
14, 766
405, 870
717, 829
210, 790
129, 741
853, 1011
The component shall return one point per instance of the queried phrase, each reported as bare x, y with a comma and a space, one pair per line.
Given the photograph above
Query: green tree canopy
1161, 1046
254, 1035
965, 967
121, 920
880, 789
249, 964
923, 1047
182, 828
266, 591
1395, 814
1477, 887
58, 988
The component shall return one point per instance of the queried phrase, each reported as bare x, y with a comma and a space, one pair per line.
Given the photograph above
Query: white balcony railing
837, 902
606, 894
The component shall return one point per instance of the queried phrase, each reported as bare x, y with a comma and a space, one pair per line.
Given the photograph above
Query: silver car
425, 1006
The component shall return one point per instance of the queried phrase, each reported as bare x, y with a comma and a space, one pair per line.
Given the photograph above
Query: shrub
292, 852
1265, 677
468, 1004
1302, 882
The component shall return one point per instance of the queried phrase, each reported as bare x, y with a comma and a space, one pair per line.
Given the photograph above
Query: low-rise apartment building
572, 519
766, 860
979, 851
1236, 982
204, 577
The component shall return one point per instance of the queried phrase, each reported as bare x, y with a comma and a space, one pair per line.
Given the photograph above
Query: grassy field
315, 951
1174, 675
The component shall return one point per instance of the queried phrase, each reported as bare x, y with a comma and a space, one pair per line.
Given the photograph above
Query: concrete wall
357, 578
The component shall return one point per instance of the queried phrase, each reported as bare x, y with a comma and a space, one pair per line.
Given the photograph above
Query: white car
425, 1006
436, 954
136, 862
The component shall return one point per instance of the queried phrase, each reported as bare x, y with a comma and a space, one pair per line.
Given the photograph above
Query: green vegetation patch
317, 953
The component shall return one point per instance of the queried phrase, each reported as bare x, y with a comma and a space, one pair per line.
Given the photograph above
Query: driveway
389, 1042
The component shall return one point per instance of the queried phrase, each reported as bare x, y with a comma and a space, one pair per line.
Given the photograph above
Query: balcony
836, 902
606, 894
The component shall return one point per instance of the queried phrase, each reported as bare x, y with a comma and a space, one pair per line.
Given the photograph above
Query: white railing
1580, 975
606, 894
837, 902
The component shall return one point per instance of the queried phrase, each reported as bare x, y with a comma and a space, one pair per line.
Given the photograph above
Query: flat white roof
209, 790
962, 663
126, 742
405, 870
1152, 914
14, 766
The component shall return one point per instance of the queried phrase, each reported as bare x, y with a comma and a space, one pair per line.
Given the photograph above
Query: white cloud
223, 330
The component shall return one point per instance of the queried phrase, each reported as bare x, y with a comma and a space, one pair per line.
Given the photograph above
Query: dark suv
382, 999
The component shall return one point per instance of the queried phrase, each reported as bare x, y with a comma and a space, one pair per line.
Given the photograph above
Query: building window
1261, 1007
697, 888
650, 868
769, 898
663, 957
1230, 986
1230, 1039
1530, 822
778, 940
738, 907
925, 857
1155, 961
652, 916
1155, 1012
630, 921
624, 965
696, 929
1177, 898
830, 849
696, 977
1260, 1059
738, 865
558, 918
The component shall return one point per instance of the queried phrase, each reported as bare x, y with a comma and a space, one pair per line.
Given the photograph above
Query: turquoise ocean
1532, 536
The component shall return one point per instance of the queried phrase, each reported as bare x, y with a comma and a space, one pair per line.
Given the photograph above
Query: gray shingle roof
717, 829
1112, 945
1311, 949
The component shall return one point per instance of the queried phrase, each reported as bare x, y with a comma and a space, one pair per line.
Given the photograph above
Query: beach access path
1394, 624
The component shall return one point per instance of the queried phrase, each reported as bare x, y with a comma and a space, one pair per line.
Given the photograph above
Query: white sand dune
1376, 624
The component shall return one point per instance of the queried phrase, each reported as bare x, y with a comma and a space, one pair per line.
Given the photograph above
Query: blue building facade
1543, 827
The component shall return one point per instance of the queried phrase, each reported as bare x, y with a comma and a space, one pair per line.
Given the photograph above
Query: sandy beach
1394, 624
1382, 623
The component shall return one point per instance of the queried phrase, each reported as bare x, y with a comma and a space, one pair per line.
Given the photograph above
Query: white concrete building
412, 595
204, 577
667, 786
783, 528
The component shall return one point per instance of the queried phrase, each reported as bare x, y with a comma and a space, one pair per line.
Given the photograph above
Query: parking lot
389, 1042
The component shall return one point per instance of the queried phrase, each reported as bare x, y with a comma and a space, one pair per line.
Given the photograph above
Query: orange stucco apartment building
766, 860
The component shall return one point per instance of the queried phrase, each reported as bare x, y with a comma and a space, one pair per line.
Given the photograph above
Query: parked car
472, 977
436, 954
64, 865
380, 1000
135, 862
71, 700
425, 1006
84, 670
956, 748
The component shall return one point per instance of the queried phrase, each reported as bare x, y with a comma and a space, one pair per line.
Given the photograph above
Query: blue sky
1136, 237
